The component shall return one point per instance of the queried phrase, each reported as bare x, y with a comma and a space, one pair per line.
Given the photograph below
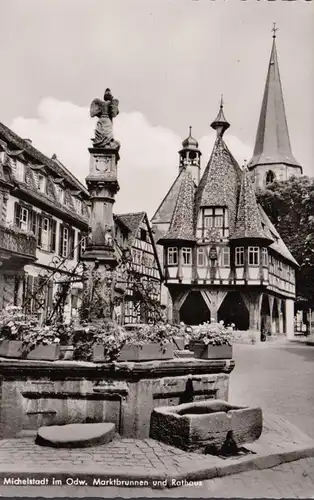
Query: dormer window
78, 205
216, 218
60, 194
40, 183
18, 169
172, 256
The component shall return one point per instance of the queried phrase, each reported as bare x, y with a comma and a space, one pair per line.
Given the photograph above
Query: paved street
279, 377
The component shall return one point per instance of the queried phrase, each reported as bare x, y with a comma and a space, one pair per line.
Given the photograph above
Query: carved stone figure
105, 110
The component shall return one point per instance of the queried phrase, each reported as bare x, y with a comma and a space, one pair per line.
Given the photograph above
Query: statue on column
105, 110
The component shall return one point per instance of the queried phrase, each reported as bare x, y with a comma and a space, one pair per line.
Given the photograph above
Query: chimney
28, 140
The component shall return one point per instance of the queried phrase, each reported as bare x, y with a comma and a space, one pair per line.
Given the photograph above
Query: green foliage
290, 207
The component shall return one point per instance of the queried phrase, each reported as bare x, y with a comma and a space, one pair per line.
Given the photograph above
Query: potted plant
41, 342
211, 341
11, 321
149, 342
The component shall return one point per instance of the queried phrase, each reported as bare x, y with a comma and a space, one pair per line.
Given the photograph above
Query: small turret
190, 157
220, 123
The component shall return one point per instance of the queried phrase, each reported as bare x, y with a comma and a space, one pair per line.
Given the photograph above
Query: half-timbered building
222, 257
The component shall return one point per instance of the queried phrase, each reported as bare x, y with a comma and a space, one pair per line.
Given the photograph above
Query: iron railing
12, 240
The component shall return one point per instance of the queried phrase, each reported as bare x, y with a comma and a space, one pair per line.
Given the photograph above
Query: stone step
75, 435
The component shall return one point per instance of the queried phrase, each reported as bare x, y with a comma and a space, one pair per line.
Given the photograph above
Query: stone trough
212, 426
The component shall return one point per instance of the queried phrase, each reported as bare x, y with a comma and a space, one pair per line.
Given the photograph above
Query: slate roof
182, 223
272, 144
278, 245
165, 210
37, 157
132, 221
220, 183
248, 221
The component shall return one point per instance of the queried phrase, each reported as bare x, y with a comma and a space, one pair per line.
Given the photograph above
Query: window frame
239, 251
253, 256
225, 251
172, 256
201, 252
186, 252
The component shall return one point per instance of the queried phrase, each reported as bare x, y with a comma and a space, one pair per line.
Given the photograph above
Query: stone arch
270, 177
194, 309
234, 310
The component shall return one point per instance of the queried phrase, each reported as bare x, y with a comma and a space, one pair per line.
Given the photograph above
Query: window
217, 218
172, 256
60, 194
265, 257
40, 182
45, 234
219, 221
239, 256
65, 243
201, 258
253, 256
137, 256
24, 219
270, 177
186, 256
208, 221
18, 169
78, 205
143, 234
225, 260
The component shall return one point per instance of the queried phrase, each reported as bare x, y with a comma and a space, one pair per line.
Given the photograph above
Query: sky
168, 62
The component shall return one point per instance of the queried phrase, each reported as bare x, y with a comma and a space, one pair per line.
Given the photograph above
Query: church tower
190, 157
272, 158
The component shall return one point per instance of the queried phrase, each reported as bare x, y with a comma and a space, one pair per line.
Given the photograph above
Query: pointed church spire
272, 144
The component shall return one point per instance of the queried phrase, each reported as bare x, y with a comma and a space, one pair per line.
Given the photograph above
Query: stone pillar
271, 306
289, 309
280, 316
103, 185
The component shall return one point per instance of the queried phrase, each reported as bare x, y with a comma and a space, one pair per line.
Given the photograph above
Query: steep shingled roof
278, 245
29, 150
248, 221
182, 223
132, 221
220, 183
272, 144
165, 210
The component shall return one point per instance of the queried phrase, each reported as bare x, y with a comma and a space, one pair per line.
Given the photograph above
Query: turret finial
190, 131
220, 123
274, 29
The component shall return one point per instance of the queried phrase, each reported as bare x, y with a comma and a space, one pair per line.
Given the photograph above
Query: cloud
149, 154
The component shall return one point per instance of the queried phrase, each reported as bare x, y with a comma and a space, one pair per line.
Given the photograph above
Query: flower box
130, 352
66, 352
210, 351
178, 343
11, 349
45, 352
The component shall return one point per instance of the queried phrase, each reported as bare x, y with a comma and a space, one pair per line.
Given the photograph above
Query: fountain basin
206, 426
